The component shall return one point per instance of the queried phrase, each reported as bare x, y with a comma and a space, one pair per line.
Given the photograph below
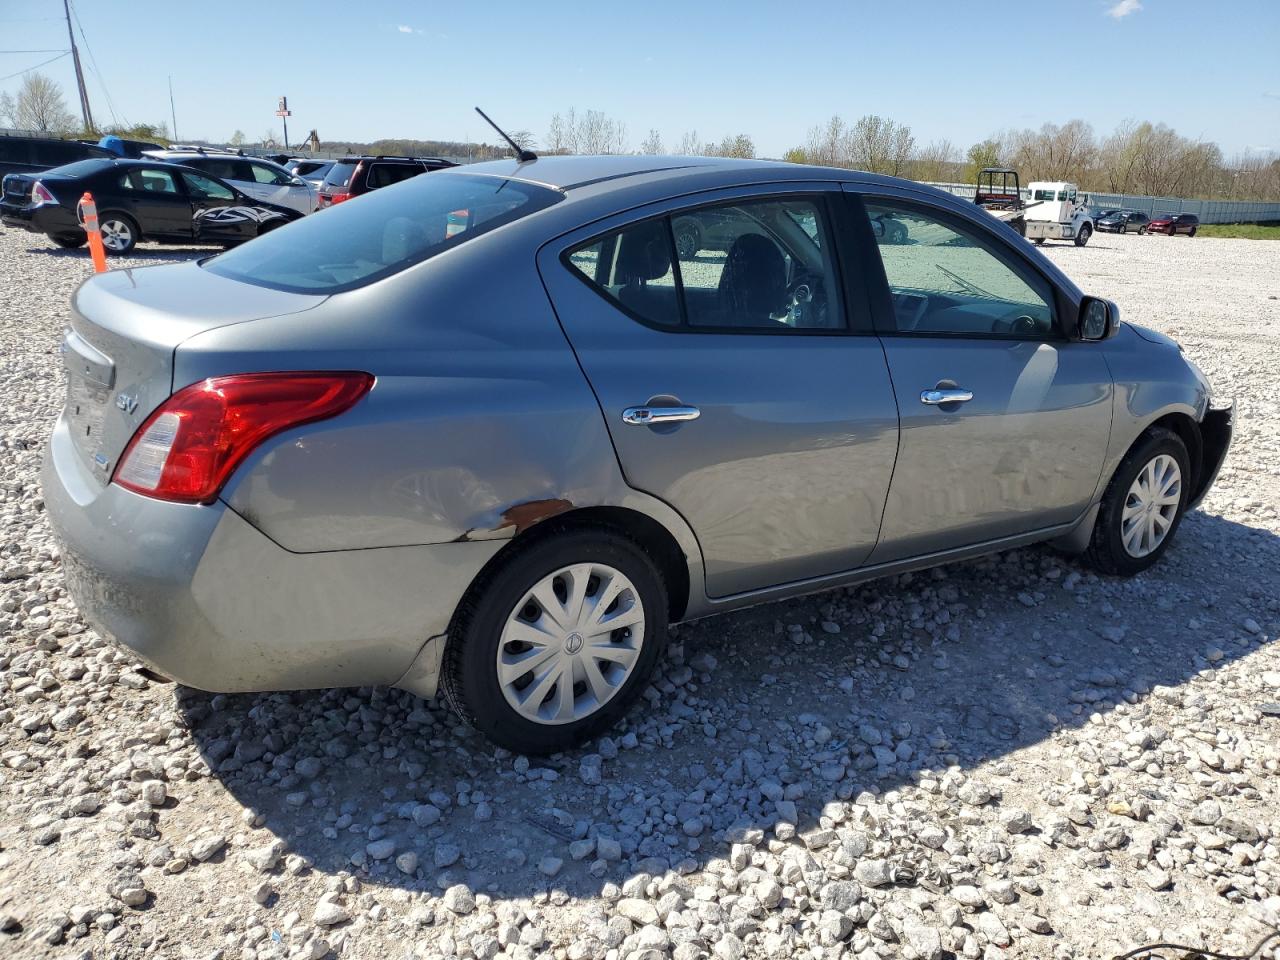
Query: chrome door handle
645, 416
936, 396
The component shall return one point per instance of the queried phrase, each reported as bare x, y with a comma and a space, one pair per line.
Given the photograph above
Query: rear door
739, 380
276, 186
219, 215
152, 196
1005, 422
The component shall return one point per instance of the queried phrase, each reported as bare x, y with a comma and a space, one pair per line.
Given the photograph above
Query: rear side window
385, 174
151, 181
354, 244
757, 266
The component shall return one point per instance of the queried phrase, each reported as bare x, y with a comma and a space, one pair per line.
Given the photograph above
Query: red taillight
338, 198
40, 194
187, 449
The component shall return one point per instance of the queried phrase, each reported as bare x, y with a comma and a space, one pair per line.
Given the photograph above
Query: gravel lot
1008, 757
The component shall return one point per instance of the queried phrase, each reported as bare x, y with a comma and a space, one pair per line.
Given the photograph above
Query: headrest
645, 252
755, 276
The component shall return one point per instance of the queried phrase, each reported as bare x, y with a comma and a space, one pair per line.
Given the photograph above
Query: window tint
152, 181
948, 279
634, 267
758, 265
13, 150
264, 174
385, 174
81, 168
354, 244
205, 188
220, 167
54, 153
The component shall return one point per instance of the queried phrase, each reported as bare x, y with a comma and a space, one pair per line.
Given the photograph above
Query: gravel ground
1007, 757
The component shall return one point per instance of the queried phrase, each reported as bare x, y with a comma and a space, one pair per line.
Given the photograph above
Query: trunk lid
17, 189
125, 327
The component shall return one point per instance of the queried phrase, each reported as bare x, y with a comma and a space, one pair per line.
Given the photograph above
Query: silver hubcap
571, 643
1151, 506
115, 234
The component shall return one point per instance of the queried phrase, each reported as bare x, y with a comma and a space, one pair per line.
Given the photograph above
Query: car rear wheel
1191, 232
688, 240
119, 233
1038, 241
552, 647
1083, 236
1142, 231
70, 243
1143, 505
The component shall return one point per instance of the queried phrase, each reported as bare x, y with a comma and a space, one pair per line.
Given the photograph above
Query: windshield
381, 233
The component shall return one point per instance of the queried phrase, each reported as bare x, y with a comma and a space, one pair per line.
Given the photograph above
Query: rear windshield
339, 175
81, 168
381, 233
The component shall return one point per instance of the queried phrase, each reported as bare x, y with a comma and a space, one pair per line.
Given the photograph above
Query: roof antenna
522, 154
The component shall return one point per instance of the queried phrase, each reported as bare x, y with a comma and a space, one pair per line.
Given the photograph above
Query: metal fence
1209, 211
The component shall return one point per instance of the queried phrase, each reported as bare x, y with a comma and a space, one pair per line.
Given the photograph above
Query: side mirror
1099, 319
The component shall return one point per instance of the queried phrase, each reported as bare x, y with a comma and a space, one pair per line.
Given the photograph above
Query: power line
55, 50
65, 53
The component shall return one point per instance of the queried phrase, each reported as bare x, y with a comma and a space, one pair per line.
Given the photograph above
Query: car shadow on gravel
155, 254
757, 717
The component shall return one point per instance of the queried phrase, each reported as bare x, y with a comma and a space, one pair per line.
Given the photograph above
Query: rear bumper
48, 218
200, 595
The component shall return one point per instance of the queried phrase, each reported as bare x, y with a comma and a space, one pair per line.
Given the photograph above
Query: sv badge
126, 403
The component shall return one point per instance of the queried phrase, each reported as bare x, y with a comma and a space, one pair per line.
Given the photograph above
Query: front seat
753, 285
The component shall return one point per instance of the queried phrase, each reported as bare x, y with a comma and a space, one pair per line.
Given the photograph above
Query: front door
218, 214
737, 380
1005, 421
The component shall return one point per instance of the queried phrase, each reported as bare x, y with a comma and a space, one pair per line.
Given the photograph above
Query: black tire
1142, 231
129, 242
1038, 241
1124, 228
1083, 236
1191, 232
469, 675
70, 243
1106, 552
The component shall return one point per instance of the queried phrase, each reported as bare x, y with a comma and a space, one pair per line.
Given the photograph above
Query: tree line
1137, 157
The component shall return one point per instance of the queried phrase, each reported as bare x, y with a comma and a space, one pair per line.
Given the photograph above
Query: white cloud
403, 29
1124, 8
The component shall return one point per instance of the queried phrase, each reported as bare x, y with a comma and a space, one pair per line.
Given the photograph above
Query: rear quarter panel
480, 423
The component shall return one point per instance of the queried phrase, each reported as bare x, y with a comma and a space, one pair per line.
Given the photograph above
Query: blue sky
364, 69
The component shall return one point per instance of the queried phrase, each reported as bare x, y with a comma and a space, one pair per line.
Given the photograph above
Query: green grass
1240, 231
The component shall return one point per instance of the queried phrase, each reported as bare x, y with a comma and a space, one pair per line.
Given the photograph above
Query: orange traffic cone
88, 213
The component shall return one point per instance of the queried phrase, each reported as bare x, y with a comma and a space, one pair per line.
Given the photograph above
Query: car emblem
126, 403
573, 643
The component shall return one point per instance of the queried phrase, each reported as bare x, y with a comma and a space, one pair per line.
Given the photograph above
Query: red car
1172, 223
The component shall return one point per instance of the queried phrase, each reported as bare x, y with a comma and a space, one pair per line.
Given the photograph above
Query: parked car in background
352, 176
1174, 223
259, 178
1123, 221
312, 171
129, 149
33, 154
136, 200
491, 430
1099, 214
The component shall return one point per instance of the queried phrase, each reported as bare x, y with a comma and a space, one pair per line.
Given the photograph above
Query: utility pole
173, 114
75, 57
283, 112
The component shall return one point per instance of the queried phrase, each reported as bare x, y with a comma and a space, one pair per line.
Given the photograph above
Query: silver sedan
492, 430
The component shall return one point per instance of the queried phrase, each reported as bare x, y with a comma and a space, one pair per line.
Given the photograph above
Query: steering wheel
1016, 323
806, 297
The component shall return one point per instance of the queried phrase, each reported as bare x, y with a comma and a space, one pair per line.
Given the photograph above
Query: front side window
945, 278
205, 188
354, 244
757, 265
264, 174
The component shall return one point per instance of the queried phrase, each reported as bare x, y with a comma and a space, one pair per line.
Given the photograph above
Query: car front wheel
551, 648
1143, 505
1083, 236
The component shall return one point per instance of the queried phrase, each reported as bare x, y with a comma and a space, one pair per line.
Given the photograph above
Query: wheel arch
658, 541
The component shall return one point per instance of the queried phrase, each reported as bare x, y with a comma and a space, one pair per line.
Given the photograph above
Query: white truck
1057, 210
